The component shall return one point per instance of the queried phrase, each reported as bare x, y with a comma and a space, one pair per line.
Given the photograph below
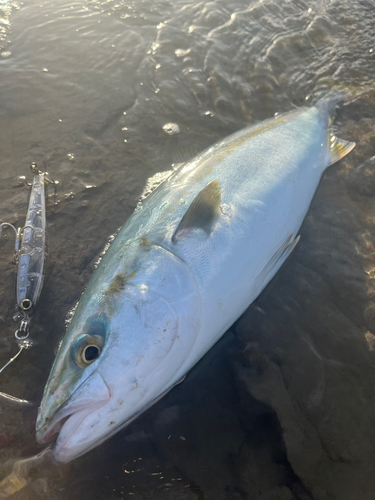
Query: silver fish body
183, 268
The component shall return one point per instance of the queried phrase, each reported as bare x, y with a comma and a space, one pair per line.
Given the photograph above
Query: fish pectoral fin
276, 261
203, 211
338, 148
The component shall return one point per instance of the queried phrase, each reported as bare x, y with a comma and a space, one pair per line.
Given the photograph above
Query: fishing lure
29, 256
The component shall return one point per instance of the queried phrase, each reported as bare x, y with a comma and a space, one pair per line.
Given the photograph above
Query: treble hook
9, 397
21, 346
17, 240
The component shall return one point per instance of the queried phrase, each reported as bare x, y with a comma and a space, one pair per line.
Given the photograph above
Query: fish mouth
66, 421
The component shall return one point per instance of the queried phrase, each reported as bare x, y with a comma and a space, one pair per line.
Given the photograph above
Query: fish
186, 264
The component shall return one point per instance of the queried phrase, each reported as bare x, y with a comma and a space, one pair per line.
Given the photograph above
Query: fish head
75, 388
123, 349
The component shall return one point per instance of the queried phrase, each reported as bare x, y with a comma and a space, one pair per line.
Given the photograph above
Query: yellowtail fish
183, 268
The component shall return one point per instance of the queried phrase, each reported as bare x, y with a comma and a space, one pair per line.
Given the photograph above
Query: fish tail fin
326, 104
336, 148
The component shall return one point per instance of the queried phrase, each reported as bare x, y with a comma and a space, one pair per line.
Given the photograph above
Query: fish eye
90, 353
87, 349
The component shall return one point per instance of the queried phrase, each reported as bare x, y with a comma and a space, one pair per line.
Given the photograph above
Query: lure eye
26, 304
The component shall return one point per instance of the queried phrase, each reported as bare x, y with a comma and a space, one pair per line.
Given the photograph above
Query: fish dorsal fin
338, 148
203, 211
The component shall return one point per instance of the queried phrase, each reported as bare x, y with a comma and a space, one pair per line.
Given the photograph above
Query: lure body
31, 253
183, 268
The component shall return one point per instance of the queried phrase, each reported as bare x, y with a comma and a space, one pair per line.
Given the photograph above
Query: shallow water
282, 408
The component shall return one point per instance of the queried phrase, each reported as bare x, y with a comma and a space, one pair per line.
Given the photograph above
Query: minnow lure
29, 256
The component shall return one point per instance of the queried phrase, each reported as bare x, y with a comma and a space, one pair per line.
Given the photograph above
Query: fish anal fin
203, 211
338, 148
276, 261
